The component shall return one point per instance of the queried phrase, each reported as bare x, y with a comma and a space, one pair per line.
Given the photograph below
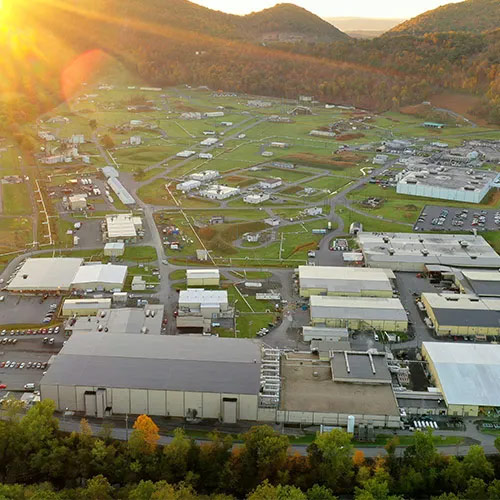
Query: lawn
286, 175
16, 199
178, 274
140, 253
252, 275
248, 324
15, 233
9, 162
369, 223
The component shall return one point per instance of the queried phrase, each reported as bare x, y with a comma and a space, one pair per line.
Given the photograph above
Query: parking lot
436, 218
26, 350
17, 309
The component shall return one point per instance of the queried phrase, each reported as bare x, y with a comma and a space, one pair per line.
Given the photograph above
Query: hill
475, 16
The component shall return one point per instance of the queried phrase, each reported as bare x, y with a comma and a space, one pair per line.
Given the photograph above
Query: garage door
90, 404
229, 414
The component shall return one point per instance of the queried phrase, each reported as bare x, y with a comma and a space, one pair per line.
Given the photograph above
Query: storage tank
351, 420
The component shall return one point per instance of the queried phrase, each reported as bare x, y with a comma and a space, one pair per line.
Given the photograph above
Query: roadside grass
16, 199
142, 176
493, 238
252, 275
248, 324
178, 274
369, 223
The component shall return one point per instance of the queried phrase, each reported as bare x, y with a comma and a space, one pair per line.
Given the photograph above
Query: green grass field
369, 223
16, 199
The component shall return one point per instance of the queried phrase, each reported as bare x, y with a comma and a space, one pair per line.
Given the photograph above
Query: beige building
78, 202
365, 313
116, 249
203, 277
468, 376
345, 281
123, 227
85, 307
176, 376
463, 314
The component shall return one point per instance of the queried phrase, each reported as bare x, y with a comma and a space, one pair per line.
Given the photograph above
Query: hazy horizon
383, 9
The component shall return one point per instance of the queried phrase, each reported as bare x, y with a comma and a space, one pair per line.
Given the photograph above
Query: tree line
38, 461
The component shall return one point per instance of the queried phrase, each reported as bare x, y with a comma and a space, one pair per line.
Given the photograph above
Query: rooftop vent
385, 239
391, 251
464, 244
425, 252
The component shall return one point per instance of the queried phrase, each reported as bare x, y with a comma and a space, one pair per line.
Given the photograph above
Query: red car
3, 386
2, 364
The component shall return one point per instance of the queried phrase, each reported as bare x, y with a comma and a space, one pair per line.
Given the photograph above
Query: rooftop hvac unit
385, 239
421, 240
464, 244
391, 251
425, 252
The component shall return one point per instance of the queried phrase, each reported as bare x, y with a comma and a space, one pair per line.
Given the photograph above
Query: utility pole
126, 427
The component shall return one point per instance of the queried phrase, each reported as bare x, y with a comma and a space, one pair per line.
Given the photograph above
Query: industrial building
327, 392
256, 198
100, 277
198, 307
126, 320
345, 281
479, 282
188, 185
217, 192
46, 274
323, 334
175, 376
448, 183
367, 313
271, 183
123, 195
412, 252
116, 249
463, 314
203, 277
123, 227
468, 376
85, 307
78, 202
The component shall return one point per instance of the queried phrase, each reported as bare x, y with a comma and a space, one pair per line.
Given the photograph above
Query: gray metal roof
469, 374
125, 197
359, 367
467, 317
178, 363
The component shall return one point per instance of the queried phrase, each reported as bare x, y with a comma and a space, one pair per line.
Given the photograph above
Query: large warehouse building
100, 277
365, 313
345, 281
446, 183
203, 277
51, 274
175, 376
463, 314
468, 376
413, 251
480, 283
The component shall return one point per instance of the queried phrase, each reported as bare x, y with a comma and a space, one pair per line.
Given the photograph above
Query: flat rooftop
350, 366
303, 391
445, 249
483, 283
345, 279
464, 309
177, 363
127, 320
100, 273
202, 296
46, 274
451, 178
469, 374
372, 308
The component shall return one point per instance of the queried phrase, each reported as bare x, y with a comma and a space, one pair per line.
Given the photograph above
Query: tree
98, 488
107, 142
144, 437
476, 489
318, 492
266, 491
475, 464
93, 124
331, 459
175, 461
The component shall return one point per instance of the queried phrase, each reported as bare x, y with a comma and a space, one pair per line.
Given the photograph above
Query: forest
38, 461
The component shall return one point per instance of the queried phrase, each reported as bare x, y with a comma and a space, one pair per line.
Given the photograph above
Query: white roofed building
123, 227
217, 192
202, 277
100, 277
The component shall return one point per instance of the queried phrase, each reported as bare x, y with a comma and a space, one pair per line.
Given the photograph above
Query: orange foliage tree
144, 437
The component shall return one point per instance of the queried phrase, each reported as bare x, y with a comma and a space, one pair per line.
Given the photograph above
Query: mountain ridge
474, 16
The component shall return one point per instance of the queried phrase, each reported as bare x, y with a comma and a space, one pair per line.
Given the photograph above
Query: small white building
188, 185
380, 159
185, 154
210, 141
252, 237
205, 175
115, 249
123, 227
206, 156
256, 198
281, 145
203, 277
135, 140
198, 307
213, 114
77, 139
138, 284
322, 133
78, 202
273, 221
271, 183
85, 307
136, 123
217, 192
313, 211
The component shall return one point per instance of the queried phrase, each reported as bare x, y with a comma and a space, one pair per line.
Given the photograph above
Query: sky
336, 8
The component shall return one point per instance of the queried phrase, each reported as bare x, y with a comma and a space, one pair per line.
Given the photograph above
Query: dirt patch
349, 137
184, 108
493, 198
311, 160
293, 190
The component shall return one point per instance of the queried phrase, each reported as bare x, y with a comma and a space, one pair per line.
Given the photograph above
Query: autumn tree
107, 142
144, 437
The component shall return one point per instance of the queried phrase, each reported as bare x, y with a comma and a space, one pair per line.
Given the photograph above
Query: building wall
442, 193
97, 286
153, 402
88, 311
358, 324
307, 292
202, 281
